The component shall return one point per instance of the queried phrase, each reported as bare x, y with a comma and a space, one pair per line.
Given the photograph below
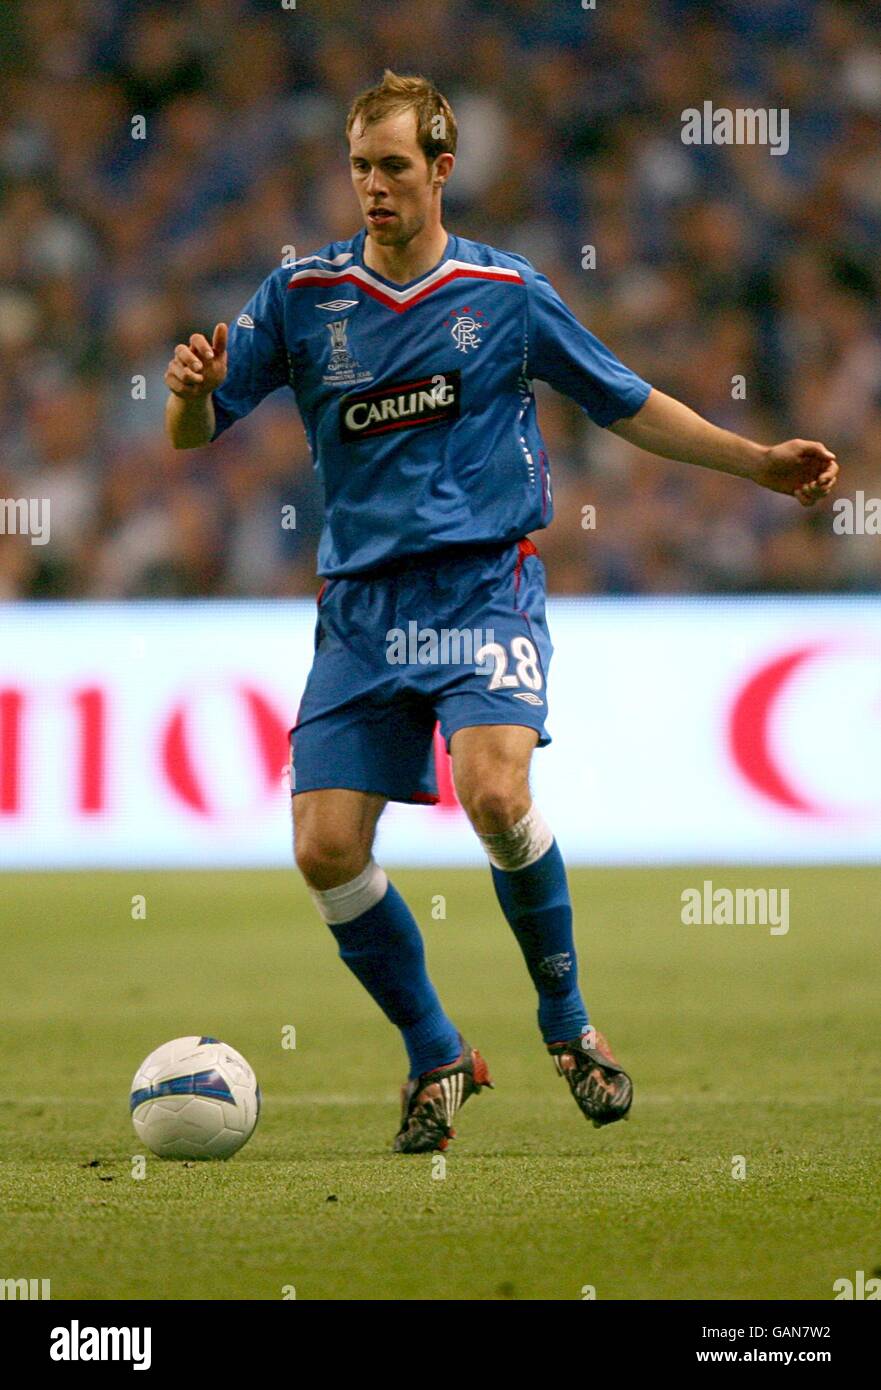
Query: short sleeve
257, 357
562, 352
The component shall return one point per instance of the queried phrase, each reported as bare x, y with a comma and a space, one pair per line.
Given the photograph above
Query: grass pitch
741, 1044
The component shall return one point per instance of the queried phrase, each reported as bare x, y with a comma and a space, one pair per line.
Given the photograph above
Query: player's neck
401, 264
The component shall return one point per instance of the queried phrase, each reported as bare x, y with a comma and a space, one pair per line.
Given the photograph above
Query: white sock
347, 901
520, 846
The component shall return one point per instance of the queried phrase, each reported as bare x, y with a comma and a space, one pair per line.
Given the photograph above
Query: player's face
392, 178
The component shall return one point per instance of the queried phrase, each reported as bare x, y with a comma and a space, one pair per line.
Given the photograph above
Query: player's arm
801, 468
194, 372
215, 384
566, 354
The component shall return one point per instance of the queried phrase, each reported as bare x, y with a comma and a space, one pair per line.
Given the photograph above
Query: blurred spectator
746, 284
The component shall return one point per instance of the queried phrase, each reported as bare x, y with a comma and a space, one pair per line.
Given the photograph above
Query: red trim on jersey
524, 547
376, 292
403, 424
383, 390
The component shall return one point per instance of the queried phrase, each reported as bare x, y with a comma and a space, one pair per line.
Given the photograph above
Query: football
194, 1098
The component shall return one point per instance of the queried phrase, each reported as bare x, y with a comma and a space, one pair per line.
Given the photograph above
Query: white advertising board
153, 734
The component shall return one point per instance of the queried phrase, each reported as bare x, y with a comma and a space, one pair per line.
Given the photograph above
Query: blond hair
435, 123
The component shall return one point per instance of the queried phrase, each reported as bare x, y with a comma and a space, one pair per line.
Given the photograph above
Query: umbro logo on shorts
432, 400
245, 321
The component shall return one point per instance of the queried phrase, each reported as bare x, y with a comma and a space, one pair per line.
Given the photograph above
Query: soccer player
411, 352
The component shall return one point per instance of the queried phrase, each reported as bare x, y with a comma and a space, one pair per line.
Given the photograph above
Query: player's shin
530, 883
381, 944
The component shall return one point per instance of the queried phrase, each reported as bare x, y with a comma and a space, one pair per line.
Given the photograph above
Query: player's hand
199, 368
800, 468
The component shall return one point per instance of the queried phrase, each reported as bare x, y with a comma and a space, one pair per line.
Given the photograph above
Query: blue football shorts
459, 638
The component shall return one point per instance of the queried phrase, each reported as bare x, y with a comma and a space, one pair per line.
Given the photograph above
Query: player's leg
380, 942
491, 773
362, 738
492, 718
334, 829
375, 930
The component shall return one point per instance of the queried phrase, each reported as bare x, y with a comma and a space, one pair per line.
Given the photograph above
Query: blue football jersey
417, 399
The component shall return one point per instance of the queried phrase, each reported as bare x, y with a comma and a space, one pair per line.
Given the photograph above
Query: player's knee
326, 860
496, 802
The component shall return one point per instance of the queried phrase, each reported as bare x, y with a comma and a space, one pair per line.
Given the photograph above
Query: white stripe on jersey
339, 259
401, 296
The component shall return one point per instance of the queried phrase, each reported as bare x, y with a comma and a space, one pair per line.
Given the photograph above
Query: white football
194, 1098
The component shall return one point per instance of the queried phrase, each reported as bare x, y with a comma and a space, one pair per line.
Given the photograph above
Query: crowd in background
742, 282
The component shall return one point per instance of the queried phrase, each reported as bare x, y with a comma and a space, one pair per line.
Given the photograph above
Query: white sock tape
349, 900
520, 846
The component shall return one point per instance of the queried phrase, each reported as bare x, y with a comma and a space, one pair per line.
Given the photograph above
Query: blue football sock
383, 949
535, 900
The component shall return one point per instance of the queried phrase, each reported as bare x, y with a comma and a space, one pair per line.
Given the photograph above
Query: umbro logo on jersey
245, 321
336, 306
432, 400
528, 698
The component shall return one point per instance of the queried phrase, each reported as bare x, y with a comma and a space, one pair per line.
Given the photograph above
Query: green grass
740, 1043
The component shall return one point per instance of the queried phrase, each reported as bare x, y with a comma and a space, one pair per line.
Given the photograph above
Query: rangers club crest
466, 327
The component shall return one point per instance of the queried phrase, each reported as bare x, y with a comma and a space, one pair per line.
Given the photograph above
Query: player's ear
443, 167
